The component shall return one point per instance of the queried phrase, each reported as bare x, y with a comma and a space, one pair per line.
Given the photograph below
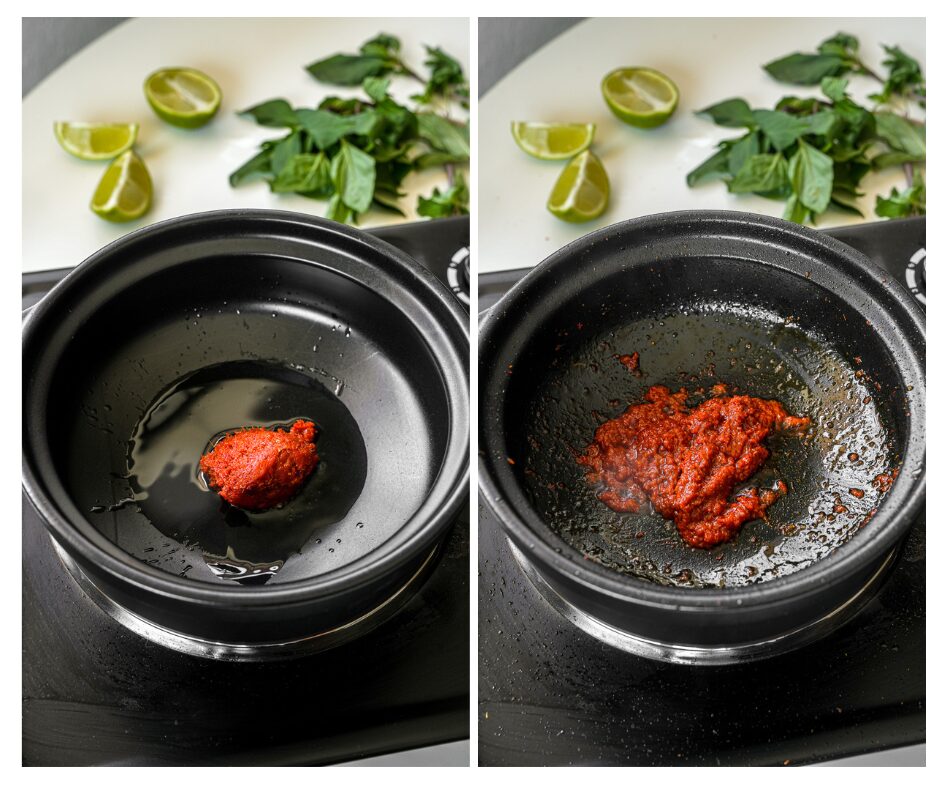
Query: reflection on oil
163, 466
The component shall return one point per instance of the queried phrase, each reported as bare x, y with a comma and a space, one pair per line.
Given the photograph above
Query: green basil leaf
801, 69
740, 150
306, 173
840, 200
383, 45
327, 128
388, 201
714, 165
446, 78
795, 211
259, 164
276, 113
444, 135
841, 44
376, 88
284, 150
911, 202
763, 173
733, 113
893, 159
353, 174
453, 202
348, 69
338, 211
834, 87
781, 129
824, 123
902, 135
811, 176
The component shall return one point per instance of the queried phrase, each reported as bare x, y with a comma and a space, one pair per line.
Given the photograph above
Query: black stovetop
550, 694
95, 693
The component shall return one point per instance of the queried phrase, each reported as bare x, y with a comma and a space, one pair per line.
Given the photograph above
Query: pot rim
451, 484
528, 531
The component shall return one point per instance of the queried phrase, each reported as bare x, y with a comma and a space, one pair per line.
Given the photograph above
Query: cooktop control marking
910, 275
454, 277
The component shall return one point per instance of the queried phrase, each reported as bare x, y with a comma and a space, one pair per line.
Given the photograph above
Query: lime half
96, 141
125, 190
581, 191
553, 141
183, 97
640, 96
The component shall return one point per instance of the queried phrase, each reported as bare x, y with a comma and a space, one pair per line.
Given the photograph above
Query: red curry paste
687, 461
257, 468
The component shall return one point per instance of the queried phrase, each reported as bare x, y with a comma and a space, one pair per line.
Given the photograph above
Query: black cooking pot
767, 307
181, 331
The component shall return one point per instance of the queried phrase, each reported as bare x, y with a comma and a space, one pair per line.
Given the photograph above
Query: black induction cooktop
552, 695
95, 693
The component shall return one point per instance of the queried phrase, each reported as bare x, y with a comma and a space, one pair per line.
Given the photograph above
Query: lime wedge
581, 191
96, 141
640, 96
125, 190
553, 141
183, 97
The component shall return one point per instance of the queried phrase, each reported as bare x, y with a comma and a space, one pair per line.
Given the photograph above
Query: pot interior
162, 363
697, 320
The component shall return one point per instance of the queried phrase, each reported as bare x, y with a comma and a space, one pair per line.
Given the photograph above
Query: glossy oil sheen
191, 417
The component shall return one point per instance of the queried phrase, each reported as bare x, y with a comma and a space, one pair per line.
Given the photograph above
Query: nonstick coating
769, 308
242, 294
691, 339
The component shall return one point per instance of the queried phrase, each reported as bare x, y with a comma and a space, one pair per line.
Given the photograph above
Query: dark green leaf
284, 150
901, 135
763, 173
276, 113
801, 69
795, 211
437, 159
327, 128
733, 113
823, 123
834, 87
376, 88
911, 202
715, 165
740, 150
353, 174
840, 200
904, 78
453, 202
307, 173
811, 176
841, 44
348, 69
259, 164
338, 211
388, 201
782, 130
446, 78
383, 45
444, 135
894, 158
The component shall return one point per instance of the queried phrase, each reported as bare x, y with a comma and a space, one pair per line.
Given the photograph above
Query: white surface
253, 60
709, 60
455, 753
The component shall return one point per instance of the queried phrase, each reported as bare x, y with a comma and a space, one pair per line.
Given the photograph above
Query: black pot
369, 332
775, 309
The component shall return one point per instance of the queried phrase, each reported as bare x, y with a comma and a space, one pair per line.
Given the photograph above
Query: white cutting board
252, 60
709, 59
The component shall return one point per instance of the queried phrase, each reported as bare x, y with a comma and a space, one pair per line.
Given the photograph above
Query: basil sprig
355, 153
814, 152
